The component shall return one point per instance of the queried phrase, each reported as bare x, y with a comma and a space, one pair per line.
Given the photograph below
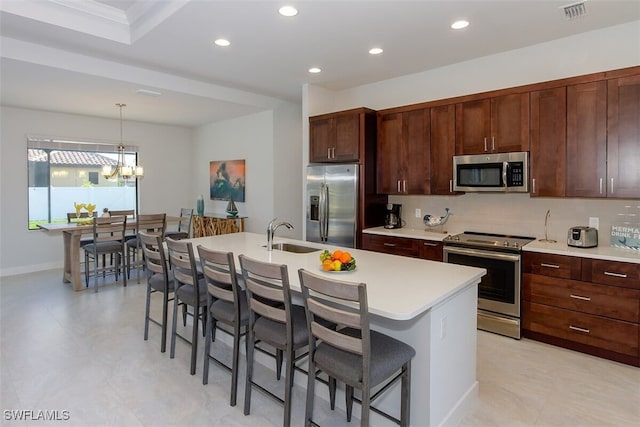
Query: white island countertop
429, 305
398, 288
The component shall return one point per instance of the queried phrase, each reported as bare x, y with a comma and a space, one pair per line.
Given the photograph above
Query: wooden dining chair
83, 215
108, 239
184, 225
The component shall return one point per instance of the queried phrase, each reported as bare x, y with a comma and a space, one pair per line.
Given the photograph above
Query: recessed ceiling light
375, 51
222, 42
458, 25
314, 70
288, 11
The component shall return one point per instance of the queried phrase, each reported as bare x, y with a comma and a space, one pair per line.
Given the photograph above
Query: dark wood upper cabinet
493, 125
443, 140
338, 137
587, 140
623, 137
404, 152
548, 142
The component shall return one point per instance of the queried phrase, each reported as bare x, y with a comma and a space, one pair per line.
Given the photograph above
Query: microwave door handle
505, 169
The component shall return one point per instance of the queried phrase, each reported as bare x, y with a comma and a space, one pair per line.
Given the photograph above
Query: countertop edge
608, 253
412, 233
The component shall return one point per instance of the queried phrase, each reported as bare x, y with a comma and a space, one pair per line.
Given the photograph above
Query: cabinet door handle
580, 297
600, 185
391, 245
328, 153
433, 245
493, 143
485, 143
450, 186
575, 328
549, 265
533, 185
398, 185
622, 275
333, 153
611, 185
404, 185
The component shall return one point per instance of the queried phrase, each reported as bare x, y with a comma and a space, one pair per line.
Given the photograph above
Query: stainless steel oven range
499, 289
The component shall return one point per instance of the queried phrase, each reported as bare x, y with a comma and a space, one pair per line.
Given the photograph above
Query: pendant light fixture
122, 169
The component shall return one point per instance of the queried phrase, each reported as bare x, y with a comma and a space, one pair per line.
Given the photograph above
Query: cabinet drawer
623, 274
608, 301
613, 335
431, 250
552, 265
391, 245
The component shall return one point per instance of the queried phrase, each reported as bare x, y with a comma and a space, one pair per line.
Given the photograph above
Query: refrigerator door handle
322, 211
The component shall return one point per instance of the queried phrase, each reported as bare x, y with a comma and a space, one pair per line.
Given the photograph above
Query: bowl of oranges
337, 261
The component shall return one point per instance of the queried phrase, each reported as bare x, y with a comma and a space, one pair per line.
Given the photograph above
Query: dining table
71, 235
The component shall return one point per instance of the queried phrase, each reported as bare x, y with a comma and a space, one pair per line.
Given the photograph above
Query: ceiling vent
575, 10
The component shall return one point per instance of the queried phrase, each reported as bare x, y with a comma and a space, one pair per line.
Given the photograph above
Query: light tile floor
83, 352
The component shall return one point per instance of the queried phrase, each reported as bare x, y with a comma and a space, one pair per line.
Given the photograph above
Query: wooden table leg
71, 261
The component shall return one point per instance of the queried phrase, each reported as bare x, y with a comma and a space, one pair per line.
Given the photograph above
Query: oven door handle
482, 254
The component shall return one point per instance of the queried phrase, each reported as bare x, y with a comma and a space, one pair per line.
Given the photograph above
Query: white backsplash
518, 214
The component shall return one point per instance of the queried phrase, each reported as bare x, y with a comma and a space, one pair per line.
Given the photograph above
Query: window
62, 173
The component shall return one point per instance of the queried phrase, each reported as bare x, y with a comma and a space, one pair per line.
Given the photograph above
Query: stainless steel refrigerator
332, 203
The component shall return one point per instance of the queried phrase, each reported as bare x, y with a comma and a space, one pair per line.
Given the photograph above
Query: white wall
162, 149
607, 49
270, 144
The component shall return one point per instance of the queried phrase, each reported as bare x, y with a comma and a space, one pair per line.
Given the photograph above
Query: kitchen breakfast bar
429, 305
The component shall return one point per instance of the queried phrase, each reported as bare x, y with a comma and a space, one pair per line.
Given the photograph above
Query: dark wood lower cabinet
587, 305
404, 246
600, 336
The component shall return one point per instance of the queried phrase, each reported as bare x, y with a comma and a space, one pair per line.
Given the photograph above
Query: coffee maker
392, 218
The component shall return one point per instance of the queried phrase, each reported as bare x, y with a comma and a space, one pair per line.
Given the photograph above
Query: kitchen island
430, 305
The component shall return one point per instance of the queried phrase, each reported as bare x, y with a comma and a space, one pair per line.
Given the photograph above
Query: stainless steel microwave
498, 172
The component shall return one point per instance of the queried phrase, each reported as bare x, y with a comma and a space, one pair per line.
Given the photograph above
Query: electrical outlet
594, 222
418, 213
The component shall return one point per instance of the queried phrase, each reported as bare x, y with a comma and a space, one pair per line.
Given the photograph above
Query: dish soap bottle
200, 206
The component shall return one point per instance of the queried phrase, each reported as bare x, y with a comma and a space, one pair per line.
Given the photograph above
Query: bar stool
159, 279
274, 320
227, 304
354, 354
150, 224
190, 289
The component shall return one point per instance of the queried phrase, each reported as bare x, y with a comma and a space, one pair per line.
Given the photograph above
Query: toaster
582, 237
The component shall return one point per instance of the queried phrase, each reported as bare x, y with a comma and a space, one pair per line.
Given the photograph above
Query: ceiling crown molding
97, 19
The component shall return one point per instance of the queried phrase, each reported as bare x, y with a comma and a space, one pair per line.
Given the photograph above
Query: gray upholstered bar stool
159, 279
150, 224
226, 304
274, 320
190, 289
354, 354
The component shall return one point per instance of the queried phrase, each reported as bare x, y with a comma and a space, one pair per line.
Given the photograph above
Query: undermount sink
292, 247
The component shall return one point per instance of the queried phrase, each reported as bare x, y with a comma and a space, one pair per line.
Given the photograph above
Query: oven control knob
515, 244
505, 243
